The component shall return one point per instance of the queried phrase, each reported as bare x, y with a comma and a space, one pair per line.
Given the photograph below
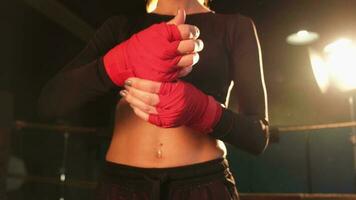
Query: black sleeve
245, 123
84, 79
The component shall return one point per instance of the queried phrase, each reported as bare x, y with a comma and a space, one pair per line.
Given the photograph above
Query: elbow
254, 143
261, 141
261, 146
263, 135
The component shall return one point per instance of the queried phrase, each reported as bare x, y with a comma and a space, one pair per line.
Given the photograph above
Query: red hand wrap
150, 54
183, 104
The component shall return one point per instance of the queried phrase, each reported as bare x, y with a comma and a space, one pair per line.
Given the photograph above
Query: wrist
115, 64
210, 118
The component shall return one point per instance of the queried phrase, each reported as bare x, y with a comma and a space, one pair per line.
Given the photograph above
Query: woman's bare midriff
141, 144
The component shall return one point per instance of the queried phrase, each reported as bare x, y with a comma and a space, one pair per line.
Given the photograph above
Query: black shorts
208, 180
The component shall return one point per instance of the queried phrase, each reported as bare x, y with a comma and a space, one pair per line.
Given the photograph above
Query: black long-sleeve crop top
231, 53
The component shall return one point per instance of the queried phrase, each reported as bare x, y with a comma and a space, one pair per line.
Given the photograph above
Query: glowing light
302, 33
338, 45
337, 66
302, 37
63, 177
341, 58
320, 70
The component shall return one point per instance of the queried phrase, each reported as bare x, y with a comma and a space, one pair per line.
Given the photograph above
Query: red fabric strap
149, 54
183, 104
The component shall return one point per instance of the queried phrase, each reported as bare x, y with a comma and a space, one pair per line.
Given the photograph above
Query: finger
140, 113
179, 18
190, 46
138, 103
151, 99
143, 84
188, 60
185, 71
188, 31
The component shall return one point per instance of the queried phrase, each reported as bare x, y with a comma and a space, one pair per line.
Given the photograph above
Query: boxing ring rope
68, 130
284, 129
19, 125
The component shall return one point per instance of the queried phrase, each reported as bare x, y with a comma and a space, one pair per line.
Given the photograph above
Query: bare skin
138, 143
135, 141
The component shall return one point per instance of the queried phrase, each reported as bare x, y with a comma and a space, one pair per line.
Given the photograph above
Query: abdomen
139, 143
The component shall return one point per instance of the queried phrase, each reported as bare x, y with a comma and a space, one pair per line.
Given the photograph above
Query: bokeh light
302, 37
320, 70
337, 65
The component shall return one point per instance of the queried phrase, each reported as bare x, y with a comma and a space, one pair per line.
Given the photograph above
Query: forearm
72, 88
249, 133
245, 124
84, 79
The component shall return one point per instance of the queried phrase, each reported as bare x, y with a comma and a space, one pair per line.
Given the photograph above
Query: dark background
38, 38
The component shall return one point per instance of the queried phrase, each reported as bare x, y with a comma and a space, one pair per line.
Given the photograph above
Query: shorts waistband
180, 172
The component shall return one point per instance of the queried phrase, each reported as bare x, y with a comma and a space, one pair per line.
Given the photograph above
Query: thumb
179, 18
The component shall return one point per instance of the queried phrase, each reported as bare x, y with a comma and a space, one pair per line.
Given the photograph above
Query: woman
164, 144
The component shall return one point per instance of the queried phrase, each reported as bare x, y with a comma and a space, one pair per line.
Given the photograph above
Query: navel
159, 151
